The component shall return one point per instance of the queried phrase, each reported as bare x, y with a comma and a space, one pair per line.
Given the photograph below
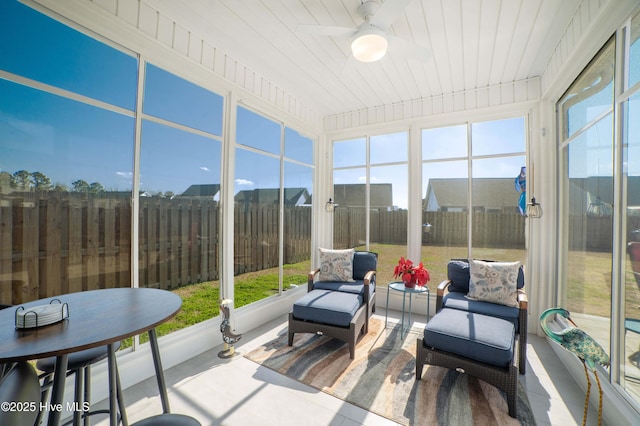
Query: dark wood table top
96, 318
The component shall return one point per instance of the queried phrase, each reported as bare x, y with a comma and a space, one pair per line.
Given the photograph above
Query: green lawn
589, 285
201, 301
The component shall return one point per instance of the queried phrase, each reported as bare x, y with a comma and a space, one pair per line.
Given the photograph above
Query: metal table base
399, 286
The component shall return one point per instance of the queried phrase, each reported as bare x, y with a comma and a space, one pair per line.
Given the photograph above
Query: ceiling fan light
369, 46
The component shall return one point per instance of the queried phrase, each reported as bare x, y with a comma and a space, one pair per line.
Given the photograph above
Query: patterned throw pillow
494, 282
336, 265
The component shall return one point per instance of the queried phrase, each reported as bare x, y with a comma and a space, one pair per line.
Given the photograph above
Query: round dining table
95, 318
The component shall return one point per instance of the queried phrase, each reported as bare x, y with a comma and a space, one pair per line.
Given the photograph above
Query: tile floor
239, 392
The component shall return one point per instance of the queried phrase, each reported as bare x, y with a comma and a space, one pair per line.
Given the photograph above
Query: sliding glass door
599, 203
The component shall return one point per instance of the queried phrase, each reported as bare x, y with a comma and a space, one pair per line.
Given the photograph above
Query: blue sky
40, 48
63, 139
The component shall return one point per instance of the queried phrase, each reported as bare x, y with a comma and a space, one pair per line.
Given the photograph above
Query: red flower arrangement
411, 275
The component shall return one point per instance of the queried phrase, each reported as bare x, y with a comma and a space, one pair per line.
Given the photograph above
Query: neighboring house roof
205, 190
354, 195
488, 193
292, 196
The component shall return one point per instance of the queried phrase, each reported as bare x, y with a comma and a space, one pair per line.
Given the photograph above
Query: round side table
399, 286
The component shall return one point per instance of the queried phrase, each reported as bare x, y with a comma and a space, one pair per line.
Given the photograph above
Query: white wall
478, 99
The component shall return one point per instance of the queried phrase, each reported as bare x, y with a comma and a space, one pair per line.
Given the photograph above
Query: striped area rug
381, 379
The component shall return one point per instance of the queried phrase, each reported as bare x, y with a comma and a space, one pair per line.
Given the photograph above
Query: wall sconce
534, 209
330, 206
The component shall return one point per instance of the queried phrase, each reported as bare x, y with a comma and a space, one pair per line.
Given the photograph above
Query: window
298, 195
498, 137
445, 189
499, 196
372, 202
179, 214
388, 198
298, 147
350, 193
259, 132
67, 167
630, 371
603, 297
180, 101
469, 202
473, 215
444, 142
66, 161
586, 155
349, 153
349, 214
257, 219
68, 134
272, 218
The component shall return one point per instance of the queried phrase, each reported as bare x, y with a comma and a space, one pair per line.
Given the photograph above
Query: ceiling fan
370, 40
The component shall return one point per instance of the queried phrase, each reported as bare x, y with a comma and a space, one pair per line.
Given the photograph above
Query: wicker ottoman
332, 313
479, 345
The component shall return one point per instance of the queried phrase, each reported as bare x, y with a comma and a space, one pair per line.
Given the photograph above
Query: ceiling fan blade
388, 12
324, 30
400, 46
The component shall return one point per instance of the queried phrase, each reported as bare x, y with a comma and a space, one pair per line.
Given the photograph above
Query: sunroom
209, 148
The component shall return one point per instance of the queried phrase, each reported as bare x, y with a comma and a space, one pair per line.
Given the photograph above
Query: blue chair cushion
460, 302
356, 287
327, 307
458, 273
363, 262
478, 337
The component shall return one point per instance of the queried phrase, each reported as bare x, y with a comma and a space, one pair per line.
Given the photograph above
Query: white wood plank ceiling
474, 44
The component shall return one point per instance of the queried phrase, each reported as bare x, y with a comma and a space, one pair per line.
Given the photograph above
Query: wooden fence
178, 241
496, 230
256, 245
595, 233
505, 230
53, 243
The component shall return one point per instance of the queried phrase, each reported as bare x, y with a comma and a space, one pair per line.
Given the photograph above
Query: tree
96, 187
60, 187
21, 180
80, 186
40, 181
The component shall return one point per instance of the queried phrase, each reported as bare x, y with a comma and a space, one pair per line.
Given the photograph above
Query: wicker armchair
451, 294
338, 309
